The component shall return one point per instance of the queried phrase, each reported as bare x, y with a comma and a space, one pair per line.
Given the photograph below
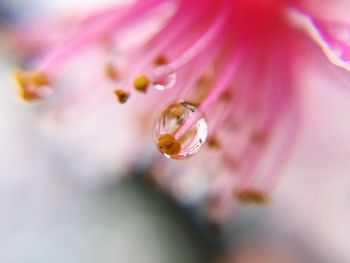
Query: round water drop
171, 119
164, 78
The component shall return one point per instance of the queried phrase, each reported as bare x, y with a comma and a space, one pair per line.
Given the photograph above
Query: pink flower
227, 71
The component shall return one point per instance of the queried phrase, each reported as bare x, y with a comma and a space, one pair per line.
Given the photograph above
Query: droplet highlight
169, 122
164, 78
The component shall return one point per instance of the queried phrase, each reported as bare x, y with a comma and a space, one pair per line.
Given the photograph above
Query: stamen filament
171, 32
214, 95
199, 45
57, 57
200, 65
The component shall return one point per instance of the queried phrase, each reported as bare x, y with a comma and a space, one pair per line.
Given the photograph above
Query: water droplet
164, 78
170, 120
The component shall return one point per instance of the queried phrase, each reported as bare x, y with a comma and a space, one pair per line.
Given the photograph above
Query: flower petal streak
333, 38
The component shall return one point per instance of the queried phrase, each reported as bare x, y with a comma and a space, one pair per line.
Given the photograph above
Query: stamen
57, 57
160, 60
213, 142
200, 76
251, 196
215, 94
221, 117
165, 75
141, 83
164, 40
32, 85
111, 71
228, 95
199, 45
122, 95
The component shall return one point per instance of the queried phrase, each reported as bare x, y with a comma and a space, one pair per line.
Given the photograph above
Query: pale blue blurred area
111, 226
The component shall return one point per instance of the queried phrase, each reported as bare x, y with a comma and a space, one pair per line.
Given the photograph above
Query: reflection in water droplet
164, 78
170, 120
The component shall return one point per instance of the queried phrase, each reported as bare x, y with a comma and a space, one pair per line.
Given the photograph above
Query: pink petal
332, 37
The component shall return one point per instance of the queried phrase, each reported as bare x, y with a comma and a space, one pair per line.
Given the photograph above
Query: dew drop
170, 120
164, 78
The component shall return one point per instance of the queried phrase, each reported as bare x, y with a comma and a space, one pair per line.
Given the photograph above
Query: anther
160, 60
122, 95
31, 84
205, 81
227, 95
141, 83
213, 143
202, 87
111, 71
251, 196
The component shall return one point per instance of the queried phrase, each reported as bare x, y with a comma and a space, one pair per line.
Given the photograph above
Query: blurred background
58, 203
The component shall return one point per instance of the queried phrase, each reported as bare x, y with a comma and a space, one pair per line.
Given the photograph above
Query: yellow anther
40, 79
141, 83
122, 95
111, 71
168, 145
165, 139
30, 83
251, 196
